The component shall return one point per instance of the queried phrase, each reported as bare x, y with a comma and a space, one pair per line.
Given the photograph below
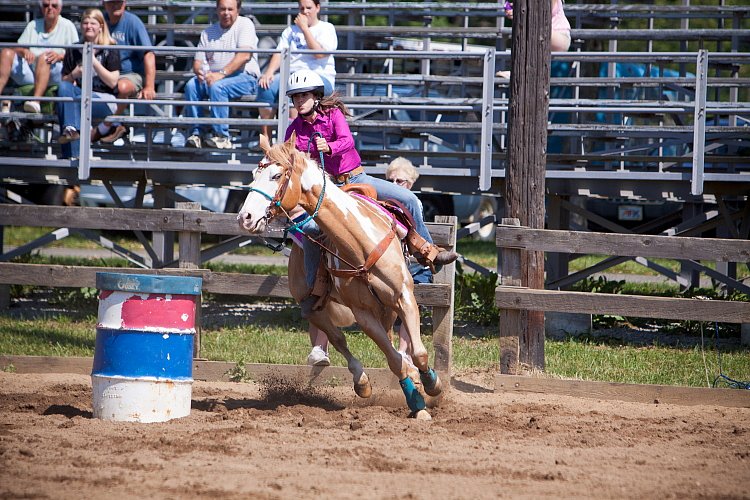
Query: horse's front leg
409, 313
374, 328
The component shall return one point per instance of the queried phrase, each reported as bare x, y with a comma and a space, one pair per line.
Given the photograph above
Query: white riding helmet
305, 80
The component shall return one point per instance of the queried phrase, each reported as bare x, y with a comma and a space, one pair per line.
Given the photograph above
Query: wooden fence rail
513, 299
190, 224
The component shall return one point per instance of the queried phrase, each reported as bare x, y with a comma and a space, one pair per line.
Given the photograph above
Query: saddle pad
401, 230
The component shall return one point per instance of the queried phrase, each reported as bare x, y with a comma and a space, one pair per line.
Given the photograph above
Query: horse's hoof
420, 415
431, 383
362, 387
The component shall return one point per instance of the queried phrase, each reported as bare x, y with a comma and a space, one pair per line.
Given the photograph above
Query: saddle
397, 211
361, 189
412, 242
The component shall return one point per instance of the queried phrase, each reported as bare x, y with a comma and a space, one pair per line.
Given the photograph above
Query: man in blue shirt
137, 67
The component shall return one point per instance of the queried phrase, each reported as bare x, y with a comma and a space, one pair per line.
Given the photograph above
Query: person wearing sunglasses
35, 64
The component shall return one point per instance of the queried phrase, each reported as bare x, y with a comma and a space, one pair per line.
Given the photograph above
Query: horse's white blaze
255, 206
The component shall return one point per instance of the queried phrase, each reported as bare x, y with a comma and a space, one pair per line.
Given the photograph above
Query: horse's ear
264, 143
292, 142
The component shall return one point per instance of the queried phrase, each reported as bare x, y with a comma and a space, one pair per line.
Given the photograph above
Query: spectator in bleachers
307, 33
222, 76
137, 67
560, 26
38, 66
104, 83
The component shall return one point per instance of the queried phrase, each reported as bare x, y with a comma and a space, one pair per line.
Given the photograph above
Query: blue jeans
228, 88
386, 190
69, 113
271, 94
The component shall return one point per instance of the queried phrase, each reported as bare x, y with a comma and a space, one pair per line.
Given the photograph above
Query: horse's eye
276, 177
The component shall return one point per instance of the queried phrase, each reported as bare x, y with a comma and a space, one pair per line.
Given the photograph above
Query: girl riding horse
321, 127
371, 284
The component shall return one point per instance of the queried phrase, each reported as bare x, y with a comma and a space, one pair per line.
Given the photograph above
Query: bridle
275, 207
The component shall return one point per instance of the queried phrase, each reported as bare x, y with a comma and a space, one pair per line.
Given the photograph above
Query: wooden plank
622, 305
47, 364
131, 219
312, 375
639, 393
91, 218
633, 245
82, 276
259, 285
381, 378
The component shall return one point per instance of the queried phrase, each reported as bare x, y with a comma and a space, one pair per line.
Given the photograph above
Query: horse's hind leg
322, 319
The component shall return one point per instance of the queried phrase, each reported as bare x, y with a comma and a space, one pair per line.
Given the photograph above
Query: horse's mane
286, 154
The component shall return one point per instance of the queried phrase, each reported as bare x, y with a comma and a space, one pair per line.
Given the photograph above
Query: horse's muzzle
248, 224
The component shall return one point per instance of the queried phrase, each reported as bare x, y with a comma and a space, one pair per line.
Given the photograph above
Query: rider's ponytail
333, 101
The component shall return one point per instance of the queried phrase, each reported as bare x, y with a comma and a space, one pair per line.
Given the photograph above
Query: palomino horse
368, 289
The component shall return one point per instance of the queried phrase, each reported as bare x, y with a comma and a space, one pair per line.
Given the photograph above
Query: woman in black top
106, 72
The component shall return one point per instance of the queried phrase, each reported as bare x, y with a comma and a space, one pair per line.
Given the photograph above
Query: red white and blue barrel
143, 359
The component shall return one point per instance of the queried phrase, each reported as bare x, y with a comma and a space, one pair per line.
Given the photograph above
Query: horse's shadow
270, 402
67, 411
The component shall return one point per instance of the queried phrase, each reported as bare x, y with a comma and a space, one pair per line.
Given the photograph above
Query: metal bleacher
625, 103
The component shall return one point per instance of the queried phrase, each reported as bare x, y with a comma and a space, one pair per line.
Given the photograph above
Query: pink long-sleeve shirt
332, 124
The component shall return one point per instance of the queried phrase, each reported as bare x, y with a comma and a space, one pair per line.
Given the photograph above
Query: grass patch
54, 336
282, 338
644, 365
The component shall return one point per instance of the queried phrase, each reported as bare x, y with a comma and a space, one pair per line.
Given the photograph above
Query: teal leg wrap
429, 379
413, 398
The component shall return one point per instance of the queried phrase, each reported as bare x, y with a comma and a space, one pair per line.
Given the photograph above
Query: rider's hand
322, 145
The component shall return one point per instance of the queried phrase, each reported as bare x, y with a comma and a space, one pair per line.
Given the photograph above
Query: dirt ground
277, 440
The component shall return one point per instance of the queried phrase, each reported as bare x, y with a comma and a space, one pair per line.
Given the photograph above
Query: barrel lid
149, 283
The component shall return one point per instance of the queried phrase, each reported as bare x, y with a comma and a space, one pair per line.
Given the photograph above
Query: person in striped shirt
222, 76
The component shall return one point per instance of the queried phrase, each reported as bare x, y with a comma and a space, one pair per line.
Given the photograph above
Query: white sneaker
194, 141
32, 107
219, 142
318, 357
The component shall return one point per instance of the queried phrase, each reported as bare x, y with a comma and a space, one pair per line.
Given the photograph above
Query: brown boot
445, 257
427, 252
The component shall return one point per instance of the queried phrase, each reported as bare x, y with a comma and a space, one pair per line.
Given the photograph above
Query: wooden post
442, 317
4, 289
527, 143
190, 258
511, 320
